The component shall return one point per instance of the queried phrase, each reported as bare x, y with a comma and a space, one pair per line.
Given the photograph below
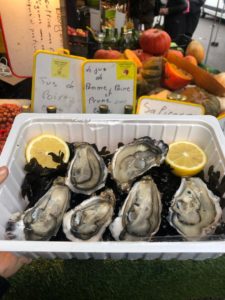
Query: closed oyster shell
195, 211
87, 171
88, 221
134, 159
140, 217
42, 221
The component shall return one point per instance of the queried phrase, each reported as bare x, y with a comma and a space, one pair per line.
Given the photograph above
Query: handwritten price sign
57, 81
151, 106
108, 82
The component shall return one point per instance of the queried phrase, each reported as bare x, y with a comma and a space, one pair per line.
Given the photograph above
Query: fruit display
197, 95
196, 49
8, 112
175, 78
76, 32
107, 54
155, 42
163, 64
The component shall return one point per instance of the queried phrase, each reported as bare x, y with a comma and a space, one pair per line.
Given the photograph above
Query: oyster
135, 158
42, 221
87, 171
195, 211
140, 217
88, 221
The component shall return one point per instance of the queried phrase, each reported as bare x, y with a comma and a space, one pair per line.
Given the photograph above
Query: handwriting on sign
162, 110
108, 83
56, 82
40, 14
168, 107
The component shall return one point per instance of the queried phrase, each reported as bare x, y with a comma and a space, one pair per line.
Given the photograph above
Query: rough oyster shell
135, 158
140, 217
195, 211
88, 221
42, 221
87, 171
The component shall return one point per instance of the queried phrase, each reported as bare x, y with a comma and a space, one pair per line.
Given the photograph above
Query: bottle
116, 38
128, 109
107, 42
122, 43
51, 109
25, 108
133, 43
103, 109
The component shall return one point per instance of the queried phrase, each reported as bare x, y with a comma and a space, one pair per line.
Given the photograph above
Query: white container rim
26, 118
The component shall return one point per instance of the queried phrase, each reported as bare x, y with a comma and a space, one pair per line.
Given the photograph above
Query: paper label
151, 106
125, 71
60, 68
108, 82
57, 80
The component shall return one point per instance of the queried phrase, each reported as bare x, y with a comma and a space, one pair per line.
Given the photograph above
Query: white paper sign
57, 81
108, 82
120, 20
95, 19
29, 26
151, 106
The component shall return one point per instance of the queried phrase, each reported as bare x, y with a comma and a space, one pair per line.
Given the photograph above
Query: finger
25, 260
3, 173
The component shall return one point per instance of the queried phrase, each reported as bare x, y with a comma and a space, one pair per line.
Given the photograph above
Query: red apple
143, 56
107, 54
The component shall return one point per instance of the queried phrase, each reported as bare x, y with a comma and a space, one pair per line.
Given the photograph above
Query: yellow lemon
40, 147
186, 158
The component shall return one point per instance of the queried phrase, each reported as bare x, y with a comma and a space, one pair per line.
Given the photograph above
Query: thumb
3, 173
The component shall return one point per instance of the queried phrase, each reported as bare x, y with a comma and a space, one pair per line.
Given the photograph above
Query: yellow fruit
196, 49
186, 158
40, 147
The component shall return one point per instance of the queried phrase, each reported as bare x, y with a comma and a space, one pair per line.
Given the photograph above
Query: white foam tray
106, 130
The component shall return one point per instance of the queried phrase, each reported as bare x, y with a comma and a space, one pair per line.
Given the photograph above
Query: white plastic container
106, 130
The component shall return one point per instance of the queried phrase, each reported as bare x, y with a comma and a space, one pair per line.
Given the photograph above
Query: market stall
126, 153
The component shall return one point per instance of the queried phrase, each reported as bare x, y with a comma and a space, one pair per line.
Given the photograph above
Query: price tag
57, 81
152, 106
108, 82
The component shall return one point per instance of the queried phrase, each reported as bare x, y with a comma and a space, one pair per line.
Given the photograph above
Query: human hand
164, 11
10, 263
3, 173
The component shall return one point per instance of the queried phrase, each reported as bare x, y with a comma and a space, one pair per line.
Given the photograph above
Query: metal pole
214, 43
211, 34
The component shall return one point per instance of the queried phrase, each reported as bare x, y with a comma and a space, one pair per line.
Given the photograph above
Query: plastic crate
107, 130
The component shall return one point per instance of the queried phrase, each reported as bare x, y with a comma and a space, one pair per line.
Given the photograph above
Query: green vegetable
209, 69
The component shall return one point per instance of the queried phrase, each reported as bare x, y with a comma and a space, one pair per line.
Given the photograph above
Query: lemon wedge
186, 158
40, 147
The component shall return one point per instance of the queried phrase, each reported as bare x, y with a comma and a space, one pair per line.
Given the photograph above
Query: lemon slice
186, 158
40, 147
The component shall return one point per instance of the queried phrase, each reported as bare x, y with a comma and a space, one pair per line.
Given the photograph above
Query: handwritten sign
30, 25
95, 19
57, 81
108, 82
151, 106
